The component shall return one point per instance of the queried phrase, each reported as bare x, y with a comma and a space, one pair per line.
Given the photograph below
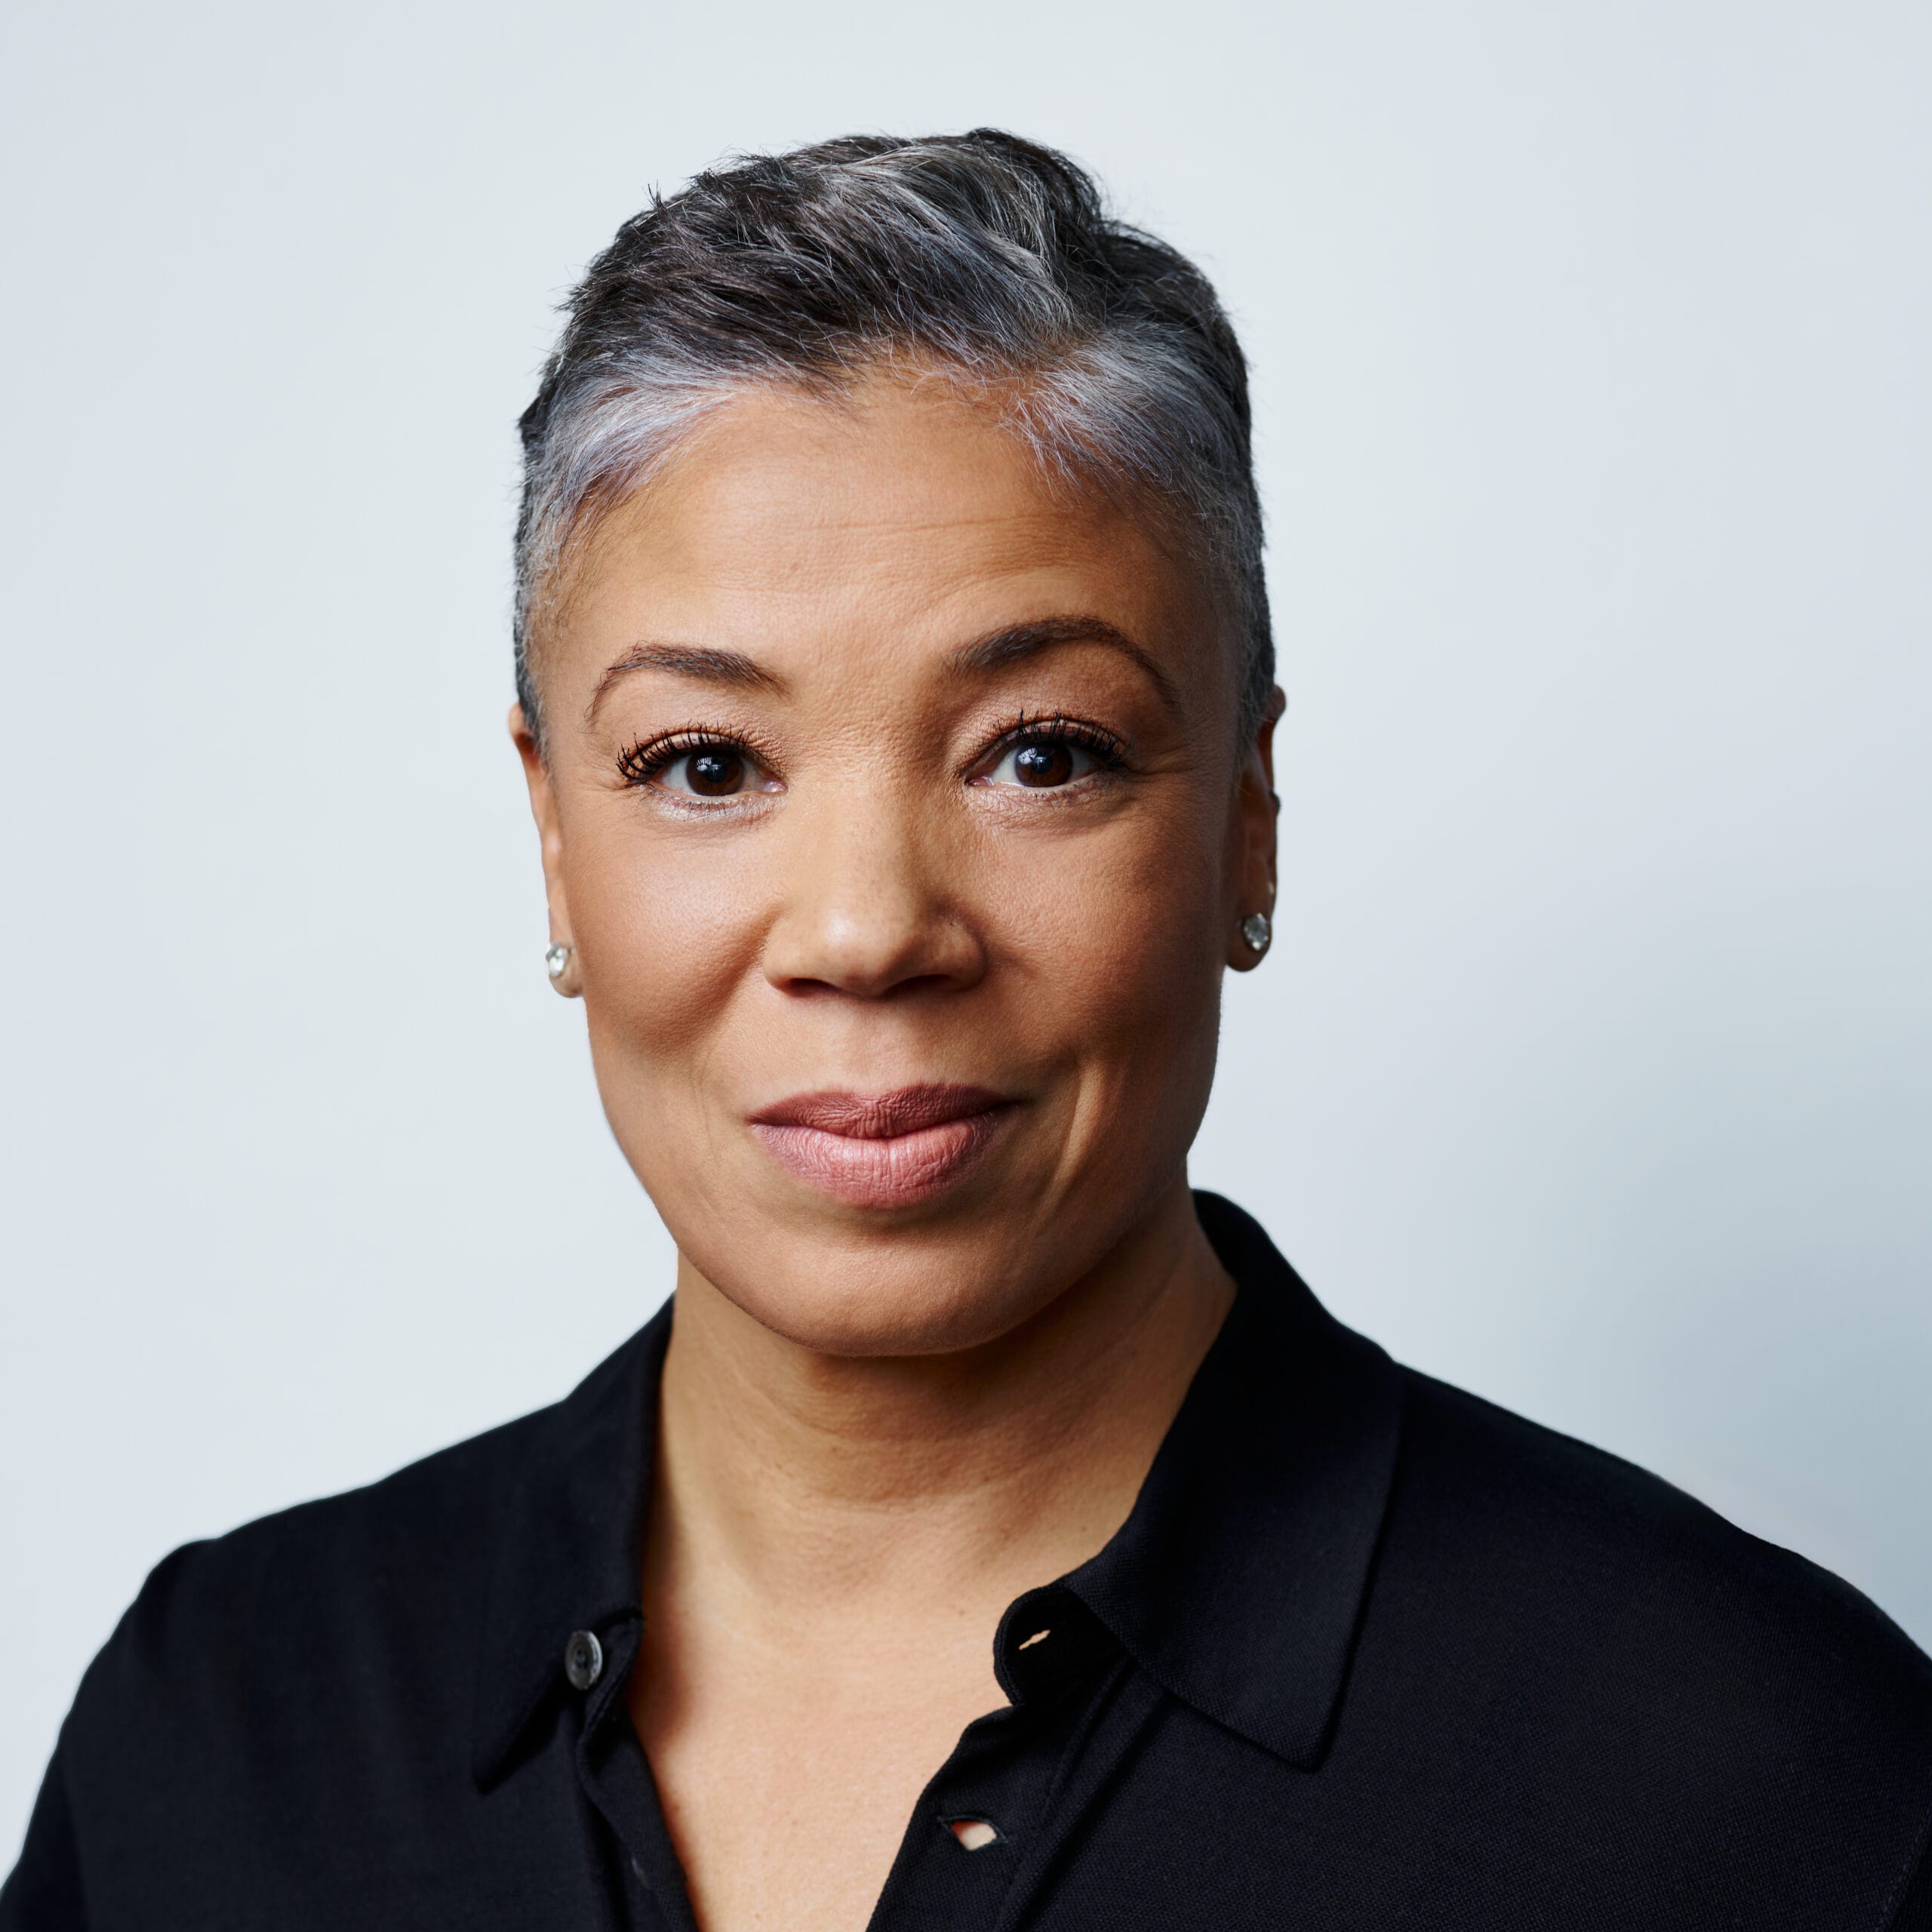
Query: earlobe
1253, 936
1260, 810
560, 961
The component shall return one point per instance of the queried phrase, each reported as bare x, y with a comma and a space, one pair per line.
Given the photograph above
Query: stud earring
1257, 931
557, 962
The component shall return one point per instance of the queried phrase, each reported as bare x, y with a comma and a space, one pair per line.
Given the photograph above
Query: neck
829, 1487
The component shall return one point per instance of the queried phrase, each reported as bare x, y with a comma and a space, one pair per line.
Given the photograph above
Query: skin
882, 1422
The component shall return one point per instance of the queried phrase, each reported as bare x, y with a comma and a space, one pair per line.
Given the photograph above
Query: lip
883, 1150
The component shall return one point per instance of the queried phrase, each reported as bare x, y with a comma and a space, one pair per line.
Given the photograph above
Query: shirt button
583, 1660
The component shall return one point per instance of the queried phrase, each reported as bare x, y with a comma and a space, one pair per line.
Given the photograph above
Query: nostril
973, 1833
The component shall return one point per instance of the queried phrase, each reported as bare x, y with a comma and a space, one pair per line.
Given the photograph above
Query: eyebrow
704, 662
1012, 643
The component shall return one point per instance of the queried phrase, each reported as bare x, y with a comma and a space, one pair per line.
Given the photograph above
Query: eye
717, 772
1050, 757
695, 766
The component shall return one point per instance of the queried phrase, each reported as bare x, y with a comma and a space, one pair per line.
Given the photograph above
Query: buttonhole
1038, 1637
973, 1833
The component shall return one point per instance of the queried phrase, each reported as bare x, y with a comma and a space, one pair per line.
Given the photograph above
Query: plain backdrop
1592, 1066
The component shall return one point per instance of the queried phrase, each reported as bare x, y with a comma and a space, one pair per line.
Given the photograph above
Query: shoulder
432, 1517
313, 1678
1594, 1617
353, 1575
240, 1645
1562, 1523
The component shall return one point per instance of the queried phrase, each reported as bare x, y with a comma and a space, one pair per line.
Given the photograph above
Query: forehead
856, 528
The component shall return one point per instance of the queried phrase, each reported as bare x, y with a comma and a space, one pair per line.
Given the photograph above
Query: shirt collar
569, 1557
1237, 1580
1236, 1583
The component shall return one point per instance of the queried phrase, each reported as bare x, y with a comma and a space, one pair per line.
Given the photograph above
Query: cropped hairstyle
980, 257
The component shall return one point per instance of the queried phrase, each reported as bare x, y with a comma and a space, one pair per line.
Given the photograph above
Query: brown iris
1042, 762
715, 774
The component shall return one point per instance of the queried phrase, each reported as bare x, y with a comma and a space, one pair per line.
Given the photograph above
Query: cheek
665, 931
1118, 941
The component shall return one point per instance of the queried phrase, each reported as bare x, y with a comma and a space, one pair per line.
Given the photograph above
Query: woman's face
893, 805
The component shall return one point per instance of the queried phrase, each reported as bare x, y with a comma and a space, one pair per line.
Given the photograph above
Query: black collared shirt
1368, 1654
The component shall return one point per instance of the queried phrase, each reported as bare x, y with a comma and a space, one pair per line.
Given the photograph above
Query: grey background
1591, 1067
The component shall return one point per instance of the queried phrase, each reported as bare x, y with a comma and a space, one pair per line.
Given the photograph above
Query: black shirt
1368, 1654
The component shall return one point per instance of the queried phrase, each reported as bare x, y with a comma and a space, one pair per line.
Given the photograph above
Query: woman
990, 1532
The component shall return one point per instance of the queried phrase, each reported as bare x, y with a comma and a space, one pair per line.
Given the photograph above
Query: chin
885, 1293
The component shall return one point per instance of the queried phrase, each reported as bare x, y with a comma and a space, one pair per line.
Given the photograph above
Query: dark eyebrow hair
687, 660
1014, 642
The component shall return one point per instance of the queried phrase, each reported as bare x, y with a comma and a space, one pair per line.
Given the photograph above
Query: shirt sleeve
43, 1893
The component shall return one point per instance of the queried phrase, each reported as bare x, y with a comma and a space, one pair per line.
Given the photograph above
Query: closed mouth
883, 1150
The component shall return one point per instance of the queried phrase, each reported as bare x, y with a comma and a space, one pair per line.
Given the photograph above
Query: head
895, 692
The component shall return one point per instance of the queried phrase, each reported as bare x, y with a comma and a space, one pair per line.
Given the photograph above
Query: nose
870, 906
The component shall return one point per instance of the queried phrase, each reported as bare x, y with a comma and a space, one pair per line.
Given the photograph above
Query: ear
1256, 807
549, 832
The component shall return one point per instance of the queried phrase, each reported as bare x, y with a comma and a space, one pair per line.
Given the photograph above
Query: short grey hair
983, 257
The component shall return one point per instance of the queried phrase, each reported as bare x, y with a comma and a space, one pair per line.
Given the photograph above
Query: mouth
883, 1150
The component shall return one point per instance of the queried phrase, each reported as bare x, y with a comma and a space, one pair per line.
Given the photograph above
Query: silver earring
1256, 930
556, 961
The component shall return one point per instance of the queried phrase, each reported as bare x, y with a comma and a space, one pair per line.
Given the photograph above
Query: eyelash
646, 759
643, 761
1059, 728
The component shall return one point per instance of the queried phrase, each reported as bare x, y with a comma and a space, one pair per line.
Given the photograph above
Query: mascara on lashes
644, 762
